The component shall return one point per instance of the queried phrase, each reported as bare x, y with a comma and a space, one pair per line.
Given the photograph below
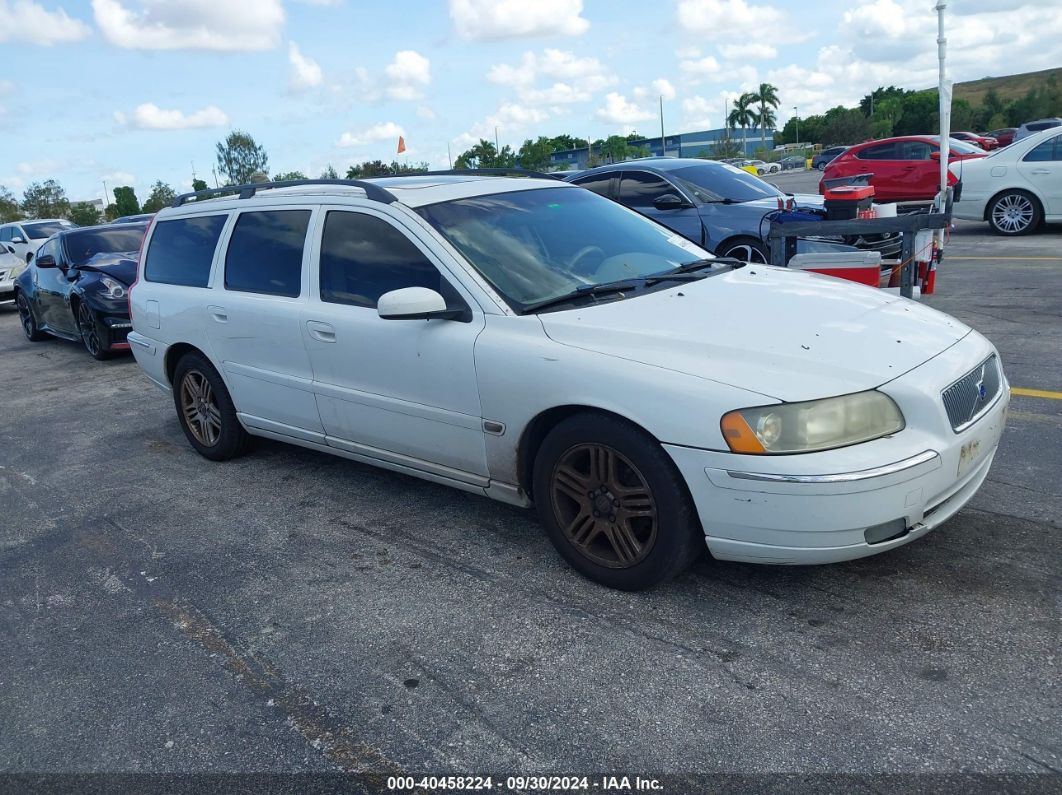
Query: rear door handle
322, 332
1041, 171
219, 313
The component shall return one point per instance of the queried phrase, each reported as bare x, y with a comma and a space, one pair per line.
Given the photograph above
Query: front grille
969, 397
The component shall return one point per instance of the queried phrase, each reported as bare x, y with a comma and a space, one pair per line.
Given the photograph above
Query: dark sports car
76, 287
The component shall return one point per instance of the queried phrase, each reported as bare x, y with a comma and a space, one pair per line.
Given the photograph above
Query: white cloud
150, 116
619, 110
688, 53
663, 88
424, 112
305, 73
706, 67
407, 75
748, 51
388, 130
576, 79
118, 178
504, 19
27, 21
726, 19
191, 24
696, 112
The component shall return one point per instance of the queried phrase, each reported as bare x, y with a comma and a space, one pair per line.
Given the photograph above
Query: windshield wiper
696, 265
583, 291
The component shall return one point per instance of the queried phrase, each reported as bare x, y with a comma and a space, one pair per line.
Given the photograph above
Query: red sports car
906, 168
986, 141
1004, 135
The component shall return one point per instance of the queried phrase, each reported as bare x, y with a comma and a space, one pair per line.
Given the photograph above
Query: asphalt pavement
293, 612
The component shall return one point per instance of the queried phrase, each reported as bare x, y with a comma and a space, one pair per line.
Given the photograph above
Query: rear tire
206, 411
1013, 213
614, 504
29, 322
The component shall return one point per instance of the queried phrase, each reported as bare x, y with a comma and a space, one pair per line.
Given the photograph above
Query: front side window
51, 248
639, 189
363, 257
182, 250
533, 245
265, 252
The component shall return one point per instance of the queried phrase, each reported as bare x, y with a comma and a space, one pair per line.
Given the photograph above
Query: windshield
534, 245
83, 245
45, 229
716, 181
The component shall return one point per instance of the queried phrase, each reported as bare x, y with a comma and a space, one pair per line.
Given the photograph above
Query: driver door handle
322, 332
219, 313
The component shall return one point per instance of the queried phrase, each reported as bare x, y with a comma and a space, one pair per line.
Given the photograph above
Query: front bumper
853, 502
7, 288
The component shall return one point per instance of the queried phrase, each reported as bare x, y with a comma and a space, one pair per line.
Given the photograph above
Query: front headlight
15, 271
811, 426
112, 288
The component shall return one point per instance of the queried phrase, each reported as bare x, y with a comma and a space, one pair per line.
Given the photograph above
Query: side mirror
18, 239
670, 201
416, 303
934, 156
45, 261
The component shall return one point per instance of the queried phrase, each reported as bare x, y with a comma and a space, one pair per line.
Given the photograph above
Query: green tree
534, 155
845, 126
869, 104
45, 200
126, 202
378, 168
920, 113
743, 116
766, 98
561, 143
329, 173
84, 214
486, 155
239, 157
162, 195
110, 212
199, 184
8, 206
286, 175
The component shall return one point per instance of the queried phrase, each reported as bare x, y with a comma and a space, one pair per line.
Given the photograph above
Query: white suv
23, 238
528, 340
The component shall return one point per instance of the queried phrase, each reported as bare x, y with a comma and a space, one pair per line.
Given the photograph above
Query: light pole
796, 118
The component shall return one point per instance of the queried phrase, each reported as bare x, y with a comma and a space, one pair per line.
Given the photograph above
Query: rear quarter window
181, 250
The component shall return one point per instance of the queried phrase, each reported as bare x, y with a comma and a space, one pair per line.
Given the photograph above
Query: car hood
785, 334
119, 265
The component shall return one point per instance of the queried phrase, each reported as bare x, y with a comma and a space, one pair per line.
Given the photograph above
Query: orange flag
401, 144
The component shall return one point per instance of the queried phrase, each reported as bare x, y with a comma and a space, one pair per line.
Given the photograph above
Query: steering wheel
579, 266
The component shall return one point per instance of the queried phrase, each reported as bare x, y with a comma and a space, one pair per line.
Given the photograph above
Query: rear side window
181, 250
639, 189
363, 257
5, 234
879, 152
1051, 149
265, 252
598, 183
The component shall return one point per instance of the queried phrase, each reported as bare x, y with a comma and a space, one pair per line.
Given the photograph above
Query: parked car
823, 158
986, 142
1031, 127
1004, 136
1015, 189
722, 208
76, 287
905, 168
535, 343
763, 167
23, 238
793, 161
142, 218
10, 267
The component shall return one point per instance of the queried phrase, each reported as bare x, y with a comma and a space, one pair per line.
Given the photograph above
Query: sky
126, 92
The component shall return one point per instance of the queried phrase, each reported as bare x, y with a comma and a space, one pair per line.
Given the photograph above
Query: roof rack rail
492, 172
373, 192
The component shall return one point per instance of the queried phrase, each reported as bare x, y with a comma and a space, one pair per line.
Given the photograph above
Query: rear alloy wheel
91, 334
745, 249
206, 411
1014, 213
29, 323
613, 503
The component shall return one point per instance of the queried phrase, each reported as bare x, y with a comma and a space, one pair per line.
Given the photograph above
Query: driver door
641, 191
53, 290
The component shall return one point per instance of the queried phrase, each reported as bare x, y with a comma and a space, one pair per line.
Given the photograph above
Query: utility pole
796, 117
106, 194
663, 144
448, 157
193, 169
216, 185
497, 146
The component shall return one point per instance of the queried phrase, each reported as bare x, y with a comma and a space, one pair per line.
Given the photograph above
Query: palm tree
767, 95
743, 116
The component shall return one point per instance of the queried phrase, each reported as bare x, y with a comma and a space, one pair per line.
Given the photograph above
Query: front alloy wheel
1014, 213
91, 334
604, 506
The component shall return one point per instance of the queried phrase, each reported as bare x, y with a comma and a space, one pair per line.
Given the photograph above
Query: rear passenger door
402, 391
1042, 169
253, 320
891, 178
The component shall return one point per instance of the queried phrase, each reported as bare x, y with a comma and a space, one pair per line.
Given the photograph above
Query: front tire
613, 503
745, 249
206, 411
29, 322
96, 338
1014, 212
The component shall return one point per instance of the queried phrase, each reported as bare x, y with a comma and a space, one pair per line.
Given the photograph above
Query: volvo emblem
982, 392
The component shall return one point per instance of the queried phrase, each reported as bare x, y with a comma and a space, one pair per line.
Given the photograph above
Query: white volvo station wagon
528, 340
